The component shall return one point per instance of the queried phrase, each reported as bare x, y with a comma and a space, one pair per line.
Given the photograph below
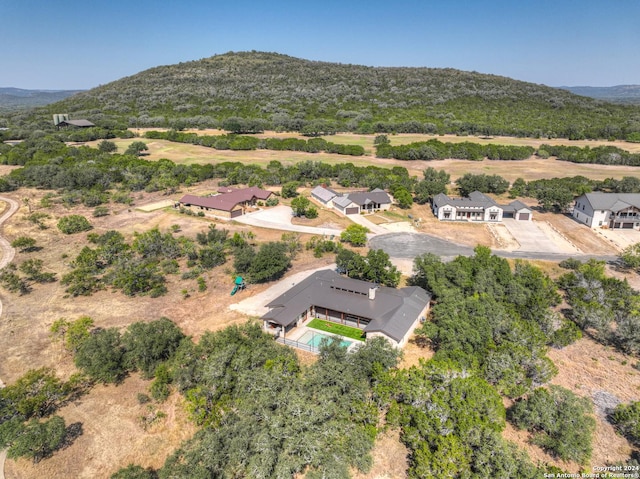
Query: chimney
372, 292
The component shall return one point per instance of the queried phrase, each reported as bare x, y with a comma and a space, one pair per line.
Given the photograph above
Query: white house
478, 207
608, 210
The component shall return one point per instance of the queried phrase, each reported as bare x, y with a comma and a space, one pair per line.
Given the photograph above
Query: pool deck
298, 332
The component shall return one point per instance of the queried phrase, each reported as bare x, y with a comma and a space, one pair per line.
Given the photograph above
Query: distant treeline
603, 155
244, 142
437, 150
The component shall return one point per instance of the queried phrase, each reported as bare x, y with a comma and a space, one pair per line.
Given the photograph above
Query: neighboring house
370, 201
324, 195
477, 207
345, 205
75, 123
517, 210
229, 203
608, 210
362, 202
377, 310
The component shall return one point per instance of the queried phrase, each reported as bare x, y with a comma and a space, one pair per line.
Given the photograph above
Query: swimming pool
313, 338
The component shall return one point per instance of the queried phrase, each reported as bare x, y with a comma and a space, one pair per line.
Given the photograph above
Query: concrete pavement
279, 218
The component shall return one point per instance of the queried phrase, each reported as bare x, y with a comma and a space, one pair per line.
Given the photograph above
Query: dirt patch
114, 437
503, 237
590, 369
390, 457
156, 206
580, 235
414, 352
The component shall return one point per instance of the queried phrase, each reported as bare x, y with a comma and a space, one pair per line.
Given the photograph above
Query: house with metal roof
477, 207
377, 310
229, 203
608, 210
324, 195
362, 202
75, 123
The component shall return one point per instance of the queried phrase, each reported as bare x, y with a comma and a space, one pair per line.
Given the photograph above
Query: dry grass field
114, 434
530, 169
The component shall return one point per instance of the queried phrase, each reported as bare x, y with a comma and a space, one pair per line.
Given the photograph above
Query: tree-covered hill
293, 94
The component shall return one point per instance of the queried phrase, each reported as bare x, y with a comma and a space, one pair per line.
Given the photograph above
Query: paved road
8, 254
410, 245
279, 218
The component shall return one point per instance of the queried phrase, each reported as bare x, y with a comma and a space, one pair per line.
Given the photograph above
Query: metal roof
82, 123
392, 311
324, 194
342, 201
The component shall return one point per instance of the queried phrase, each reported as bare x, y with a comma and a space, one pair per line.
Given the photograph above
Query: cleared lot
543, 239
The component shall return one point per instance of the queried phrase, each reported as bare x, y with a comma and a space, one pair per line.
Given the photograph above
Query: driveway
363, 221
279, 218
254, 305
410, 245
534, 238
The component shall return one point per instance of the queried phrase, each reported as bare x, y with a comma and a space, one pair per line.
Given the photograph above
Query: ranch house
608, 210
377, 310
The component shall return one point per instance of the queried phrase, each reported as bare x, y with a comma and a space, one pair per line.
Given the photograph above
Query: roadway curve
410, 245
8, 254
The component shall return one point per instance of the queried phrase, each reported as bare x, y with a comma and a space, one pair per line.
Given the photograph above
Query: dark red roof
227, 200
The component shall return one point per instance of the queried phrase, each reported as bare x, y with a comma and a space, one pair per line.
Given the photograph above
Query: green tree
290, 189
147, 345
626, 418
106, 146
299, 205
72, 333
403, 198
136, 148
26, 244
101, 356
74, 224
135, 472
39, 440
630, 257
434, 182
560, 421
355, 235
270, 262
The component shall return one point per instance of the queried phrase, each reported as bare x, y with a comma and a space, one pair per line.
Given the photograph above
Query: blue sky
76, 44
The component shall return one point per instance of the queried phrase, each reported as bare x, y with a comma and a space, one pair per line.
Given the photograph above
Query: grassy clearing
339, 329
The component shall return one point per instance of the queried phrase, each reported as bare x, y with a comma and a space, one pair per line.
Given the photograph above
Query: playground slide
235, 289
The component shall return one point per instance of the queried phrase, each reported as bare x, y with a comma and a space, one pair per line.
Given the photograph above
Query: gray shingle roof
392, 312
612, 201
475, 199
374, 196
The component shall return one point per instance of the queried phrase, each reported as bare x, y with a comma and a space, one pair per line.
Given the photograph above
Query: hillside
13, 98
288, 93
619, 94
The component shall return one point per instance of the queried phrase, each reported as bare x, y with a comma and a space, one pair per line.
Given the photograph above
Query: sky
81, 44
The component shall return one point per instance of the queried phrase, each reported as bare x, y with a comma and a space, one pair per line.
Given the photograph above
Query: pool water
313, 338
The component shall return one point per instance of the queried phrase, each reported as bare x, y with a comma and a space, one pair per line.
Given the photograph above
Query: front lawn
339, 329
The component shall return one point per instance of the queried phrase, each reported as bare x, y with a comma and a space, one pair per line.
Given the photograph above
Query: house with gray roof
608, 210
377, 310
324, 195
477, 207
362, 202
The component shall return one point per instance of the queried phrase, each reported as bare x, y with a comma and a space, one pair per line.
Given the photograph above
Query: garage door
627, 225
352, 211
236, 213
523, 216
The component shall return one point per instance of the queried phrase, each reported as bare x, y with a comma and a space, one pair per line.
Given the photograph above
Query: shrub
74, 224
100, 211
559, 420
626, 418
